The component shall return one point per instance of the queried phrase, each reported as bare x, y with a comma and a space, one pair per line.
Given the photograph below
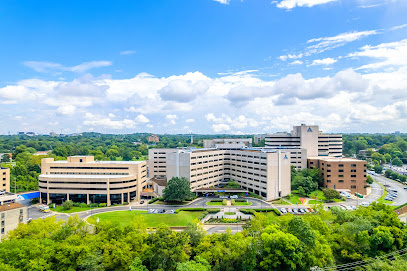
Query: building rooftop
84, 176
339, 159
102, 162
10, 206
160, 182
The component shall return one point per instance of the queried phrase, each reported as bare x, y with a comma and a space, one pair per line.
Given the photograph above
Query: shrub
83, 205
213, 211
216, 200
248, 211
76, 204
277, 212
224, 202
67, 205
240, 200
154, 200
232, 202
93, 205
125, 203
266, 210
102, 205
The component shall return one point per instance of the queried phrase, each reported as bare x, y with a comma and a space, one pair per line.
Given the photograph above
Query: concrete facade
341, 173
264, 172
11, 215
308, 137
4, 179
81, 179
227, 143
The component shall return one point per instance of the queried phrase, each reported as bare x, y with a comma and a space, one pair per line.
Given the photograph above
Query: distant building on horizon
153, 138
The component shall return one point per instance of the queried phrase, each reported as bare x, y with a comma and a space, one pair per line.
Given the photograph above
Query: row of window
54, 167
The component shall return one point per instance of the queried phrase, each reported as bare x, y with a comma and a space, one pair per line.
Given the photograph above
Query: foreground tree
331, 194
177, 190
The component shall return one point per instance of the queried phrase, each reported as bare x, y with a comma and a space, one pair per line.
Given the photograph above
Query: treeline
390, 148
267, 243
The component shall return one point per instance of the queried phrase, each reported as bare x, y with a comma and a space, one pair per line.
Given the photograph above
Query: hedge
401, 206
216, 200
154, 200
190, 210
213, 210
253, 211
240, 200
247, 211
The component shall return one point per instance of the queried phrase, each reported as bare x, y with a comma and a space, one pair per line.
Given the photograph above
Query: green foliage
67, 205
395, 176
137, 265
331, 194
232, 202
154, 200
83, 205
213, 210
232, 184
306, 181
369, 179
224, 202
177, 190
199, 264
102, 205
397, 162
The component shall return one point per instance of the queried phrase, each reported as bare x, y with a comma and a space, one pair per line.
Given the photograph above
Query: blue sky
203, 66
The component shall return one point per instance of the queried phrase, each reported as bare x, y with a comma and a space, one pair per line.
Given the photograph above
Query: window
340, 165
353, 176
353, 165
340, 181
353, 170
353, 186
341, 170
340, 176
328, 165
328, 181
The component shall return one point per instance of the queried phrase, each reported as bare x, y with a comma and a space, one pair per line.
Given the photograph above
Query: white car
234, 197
365, 204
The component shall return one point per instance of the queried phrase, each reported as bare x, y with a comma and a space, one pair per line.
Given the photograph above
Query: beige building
11, 215
4, 179
264, 172
227, 143
341, 173
153, 138
81, 179
310, 138
157, 162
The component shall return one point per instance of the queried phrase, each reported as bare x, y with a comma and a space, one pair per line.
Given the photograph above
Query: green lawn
209, 203
72, 210
171, 203
312, 201
281, 202
382, 200
242, 203
294, 199
230, 213
152, 220
317, 193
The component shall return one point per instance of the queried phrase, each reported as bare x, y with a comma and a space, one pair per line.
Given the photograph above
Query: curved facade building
81, 179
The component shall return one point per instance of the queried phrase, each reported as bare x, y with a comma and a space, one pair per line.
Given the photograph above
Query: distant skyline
203, 66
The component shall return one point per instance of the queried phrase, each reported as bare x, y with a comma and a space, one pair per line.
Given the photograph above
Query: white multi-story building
227, 143
266, 172
310, 138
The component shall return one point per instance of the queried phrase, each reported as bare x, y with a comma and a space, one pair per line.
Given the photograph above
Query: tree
199, 264
369, 179
304, 185
177, 190
5, 158
378, 169
397, 162
137, 265
331, 194
67, 205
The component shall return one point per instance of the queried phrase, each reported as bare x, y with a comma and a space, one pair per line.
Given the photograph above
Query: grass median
152, 220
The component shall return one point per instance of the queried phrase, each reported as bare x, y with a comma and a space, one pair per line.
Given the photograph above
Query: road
390, 184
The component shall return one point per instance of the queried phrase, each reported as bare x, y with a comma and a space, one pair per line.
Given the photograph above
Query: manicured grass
242, 203
209, 203
171, 203
317, 193
151, 220
294, 199
382, 200
230, 213
338, 200
72, 210
312, 201
281, 202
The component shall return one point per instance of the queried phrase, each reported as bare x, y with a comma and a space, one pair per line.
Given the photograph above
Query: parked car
295, 210
283, 211
234, 197
365, 204
289, 210
141, 201
172, 212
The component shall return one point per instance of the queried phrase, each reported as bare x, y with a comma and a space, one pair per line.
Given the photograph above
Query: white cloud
171, 118
325, 61
190, 120
398, 27
142, 119
290, 4
328, 43
182, 91
290, 56
393, 54
67, 110
101, 122
128, 52
226, 2
217, 128
51, 67
297, 62
150, 126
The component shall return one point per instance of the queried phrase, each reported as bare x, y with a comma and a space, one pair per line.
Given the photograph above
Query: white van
234, 197
365, 204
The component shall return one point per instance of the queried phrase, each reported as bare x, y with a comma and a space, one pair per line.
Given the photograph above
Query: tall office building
81, 179
308, 137
264, 172
4, 179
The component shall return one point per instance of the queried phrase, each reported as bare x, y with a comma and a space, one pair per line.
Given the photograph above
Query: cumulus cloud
51, 67
217, 128
190, 120
66, 109
97, 121
142, 119
182, 91
297, 62
290, 4
171, 118
325, 61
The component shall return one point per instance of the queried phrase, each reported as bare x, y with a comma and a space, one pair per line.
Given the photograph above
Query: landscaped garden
217, 202
152, 220
74, 207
